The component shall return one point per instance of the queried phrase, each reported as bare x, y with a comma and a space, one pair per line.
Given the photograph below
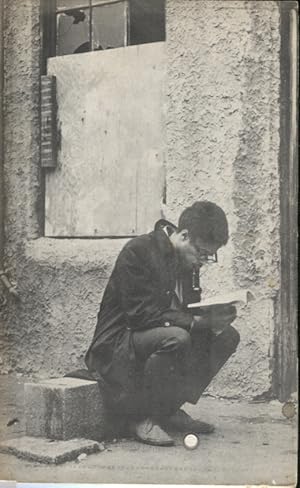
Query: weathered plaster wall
21, 160
222, 138
223, 142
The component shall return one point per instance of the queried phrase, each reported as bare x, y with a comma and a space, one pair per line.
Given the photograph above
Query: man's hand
216, 318
221, 316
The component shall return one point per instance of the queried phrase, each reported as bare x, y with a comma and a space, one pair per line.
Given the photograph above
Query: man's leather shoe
182, 422
149, 432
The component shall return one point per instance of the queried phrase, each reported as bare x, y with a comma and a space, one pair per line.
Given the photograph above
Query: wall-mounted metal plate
48, 122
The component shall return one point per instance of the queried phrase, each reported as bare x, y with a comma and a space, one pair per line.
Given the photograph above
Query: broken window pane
71, 4
73, 32
109, 26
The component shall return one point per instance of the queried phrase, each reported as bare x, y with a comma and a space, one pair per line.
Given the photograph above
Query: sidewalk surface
254, 443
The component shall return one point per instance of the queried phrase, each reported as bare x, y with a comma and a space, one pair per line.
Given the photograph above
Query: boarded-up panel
109, 177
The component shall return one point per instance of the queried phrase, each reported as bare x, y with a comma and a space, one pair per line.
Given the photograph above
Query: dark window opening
147, 21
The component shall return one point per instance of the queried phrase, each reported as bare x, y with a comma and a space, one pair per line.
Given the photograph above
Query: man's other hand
217, 318
221, 316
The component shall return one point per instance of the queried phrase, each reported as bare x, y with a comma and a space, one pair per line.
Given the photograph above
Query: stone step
49, 451
65, 408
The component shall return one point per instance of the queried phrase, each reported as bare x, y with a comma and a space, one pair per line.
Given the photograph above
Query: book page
238, 296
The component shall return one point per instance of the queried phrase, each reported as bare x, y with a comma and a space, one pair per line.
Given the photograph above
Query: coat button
167, 324
168, 292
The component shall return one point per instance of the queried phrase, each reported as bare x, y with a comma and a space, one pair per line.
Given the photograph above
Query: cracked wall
222, 99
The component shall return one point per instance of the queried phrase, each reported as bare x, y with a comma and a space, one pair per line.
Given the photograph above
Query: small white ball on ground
191, 441
81, 457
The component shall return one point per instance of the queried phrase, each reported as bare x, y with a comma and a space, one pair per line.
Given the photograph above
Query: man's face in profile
195, 252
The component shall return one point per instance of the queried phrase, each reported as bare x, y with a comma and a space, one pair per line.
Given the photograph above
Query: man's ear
184, 234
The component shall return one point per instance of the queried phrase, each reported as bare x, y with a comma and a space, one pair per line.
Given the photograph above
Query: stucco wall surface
223, 142
222, 139
23, 188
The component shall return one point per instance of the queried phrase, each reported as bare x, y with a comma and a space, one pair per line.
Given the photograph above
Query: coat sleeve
139, 295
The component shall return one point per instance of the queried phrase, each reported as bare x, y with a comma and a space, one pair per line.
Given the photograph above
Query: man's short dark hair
205, 220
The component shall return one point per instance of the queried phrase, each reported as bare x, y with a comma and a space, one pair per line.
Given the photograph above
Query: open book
235, 297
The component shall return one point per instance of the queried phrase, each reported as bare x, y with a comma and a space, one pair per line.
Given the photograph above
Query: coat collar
163, 223
162, 230
169, 270
166, 257
164, 244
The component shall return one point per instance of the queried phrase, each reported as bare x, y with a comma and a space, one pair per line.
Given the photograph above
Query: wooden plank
109, 178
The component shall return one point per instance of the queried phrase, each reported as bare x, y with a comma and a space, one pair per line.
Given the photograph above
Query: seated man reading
151, 351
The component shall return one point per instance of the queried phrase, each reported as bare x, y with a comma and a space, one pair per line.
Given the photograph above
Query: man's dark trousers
178, 366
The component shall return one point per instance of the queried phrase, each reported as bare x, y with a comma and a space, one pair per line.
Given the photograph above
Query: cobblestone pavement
254, 443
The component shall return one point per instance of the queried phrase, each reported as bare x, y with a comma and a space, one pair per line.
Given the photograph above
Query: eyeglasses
205, 257
208, 258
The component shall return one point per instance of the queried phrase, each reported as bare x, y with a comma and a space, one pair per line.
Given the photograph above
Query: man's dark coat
138, 296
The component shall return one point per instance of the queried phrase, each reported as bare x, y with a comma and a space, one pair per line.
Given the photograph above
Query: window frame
49, 12
91, 4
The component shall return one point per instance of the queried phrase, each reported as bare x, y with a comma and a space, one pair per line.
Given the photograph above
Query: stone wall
223, 145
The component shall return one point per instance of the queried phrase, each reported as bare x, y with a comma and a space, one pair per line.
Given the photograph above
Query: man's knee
177, 339
231, 338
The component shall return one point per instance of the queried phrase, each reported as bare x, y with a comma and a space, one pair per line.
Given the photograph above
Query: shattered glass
73, 32
109, 26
